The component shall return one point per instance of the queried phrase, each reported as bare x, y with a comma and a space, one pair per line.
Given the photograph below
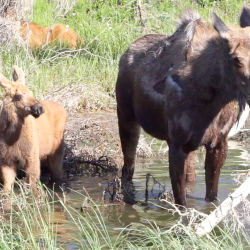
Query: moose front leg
178, 173
215, 158
129, 131
33, 171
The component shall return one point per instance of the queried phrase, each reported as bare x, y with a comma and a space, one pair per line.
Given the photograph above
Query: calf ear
18, 75
219, 25
4, 82
245, 17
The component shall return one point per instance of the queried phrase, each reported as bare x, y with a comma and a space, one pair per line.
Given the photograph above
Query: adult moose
184, 89
27, 135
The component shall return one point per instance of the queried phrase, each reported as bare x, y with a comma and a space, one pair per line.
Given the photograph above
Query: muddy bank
93, 144
92, 138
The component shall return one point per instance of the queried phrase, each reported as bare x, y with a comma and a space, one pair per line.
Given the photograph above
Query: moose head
19, 96
239, 43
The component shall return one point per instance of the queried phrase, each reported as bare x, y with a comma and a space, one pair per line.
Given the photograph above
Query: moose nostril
40, 109
37, 110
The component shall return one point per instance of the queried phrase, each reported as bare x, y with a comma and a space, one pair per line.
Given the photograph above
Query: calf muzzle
37, 110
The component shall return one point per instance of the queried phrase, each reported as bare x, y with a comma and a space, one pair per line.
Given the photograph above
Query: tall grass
108, 27
32, 223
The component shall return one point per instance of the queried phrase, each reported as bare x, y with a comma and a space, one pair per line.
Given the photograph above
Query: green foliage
108, 28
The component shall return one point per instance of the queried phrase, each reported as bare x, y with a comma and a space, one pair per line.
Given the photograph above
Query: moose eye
237, 62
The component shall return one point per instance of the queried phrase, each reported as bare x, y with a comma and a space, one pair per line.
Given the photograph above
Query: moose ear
219, 25
18, 75
245, 17
4, 82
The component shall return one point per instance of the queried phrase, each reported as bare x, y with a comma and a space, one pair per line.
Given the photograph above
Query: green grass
33, 223
108, 27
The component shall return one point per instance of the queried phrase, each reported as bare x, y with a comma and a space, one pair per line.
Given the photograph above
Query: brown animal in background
184, 89
39, 36
29, 132
63, 33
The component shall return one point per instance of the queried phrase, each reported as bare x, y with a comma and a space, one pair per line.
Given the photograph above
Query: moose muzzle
36, 110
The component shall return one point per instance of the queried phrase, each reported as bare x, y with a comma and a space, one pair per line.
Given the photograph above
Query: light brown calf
27, 135
39, 36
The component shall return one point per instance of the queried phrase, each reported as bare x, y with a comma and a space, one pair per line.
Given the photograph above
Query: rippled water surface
116, 215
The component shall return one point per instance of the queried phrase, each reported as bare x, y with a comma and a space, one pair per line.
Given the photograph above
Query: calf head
239, 56
19, 96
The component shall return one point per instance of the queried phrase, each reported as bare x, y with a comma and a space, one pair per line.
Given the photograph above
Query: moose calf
39, 36
30, 131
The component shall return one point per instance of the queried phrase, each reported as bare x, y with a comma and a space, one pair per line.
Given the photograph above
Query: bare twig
141, 15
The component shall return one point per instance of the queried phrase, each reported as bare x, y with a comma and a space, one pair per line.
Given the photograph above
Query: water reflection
148, 207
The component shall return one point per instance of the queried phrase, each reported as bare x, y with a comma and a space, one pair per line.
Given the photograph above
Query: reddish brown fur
39, 36
24, 139
184, 89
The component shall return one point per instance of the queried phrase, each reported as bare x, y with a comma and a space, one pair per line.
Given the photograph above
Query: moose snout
37, 110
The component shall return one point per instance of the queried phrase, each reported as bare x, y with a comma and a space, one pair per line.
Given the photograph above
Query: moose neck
212, 76
11, 124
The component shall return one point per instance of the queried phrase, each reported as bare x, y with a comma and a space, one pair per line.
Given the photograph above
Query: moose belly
150, 115
12, 155
221, 125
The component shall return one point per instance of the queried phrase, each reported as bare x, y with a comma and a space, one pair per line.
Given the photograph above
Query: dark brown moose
188, 89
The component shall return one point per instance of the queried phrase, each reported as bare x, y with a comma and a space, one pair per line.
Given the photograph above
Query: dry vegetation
63, 7
11, 12
92, 140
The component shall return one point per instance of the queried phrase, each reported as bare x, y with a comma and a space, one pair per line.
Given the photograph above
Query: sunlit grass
108, 28
34, 223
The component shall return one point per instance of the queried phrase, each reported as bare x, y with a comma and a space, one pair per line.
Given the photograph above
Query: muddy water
121, 215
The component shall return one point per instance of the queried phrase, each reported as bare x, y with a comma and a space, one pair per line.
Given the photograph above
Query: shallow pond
116, 215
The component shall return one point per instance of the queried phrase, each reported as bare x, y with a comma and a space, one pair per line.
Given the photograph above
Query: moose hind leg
55, 164
129, 131
215, 158
178, 173
190, 167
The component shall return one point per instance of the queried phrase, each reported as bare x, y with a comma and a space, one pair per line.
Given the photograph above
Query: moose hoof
58, 185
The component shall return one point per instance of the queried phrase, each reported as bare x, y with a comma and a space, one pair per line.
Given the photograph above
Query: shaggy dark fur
184, 89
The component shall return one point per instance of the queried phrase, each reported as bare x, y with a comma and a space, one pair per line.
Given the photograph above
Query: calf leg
55, 163
177, 171
215, 158
8, 175
190, 167
33, 171
129, 131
